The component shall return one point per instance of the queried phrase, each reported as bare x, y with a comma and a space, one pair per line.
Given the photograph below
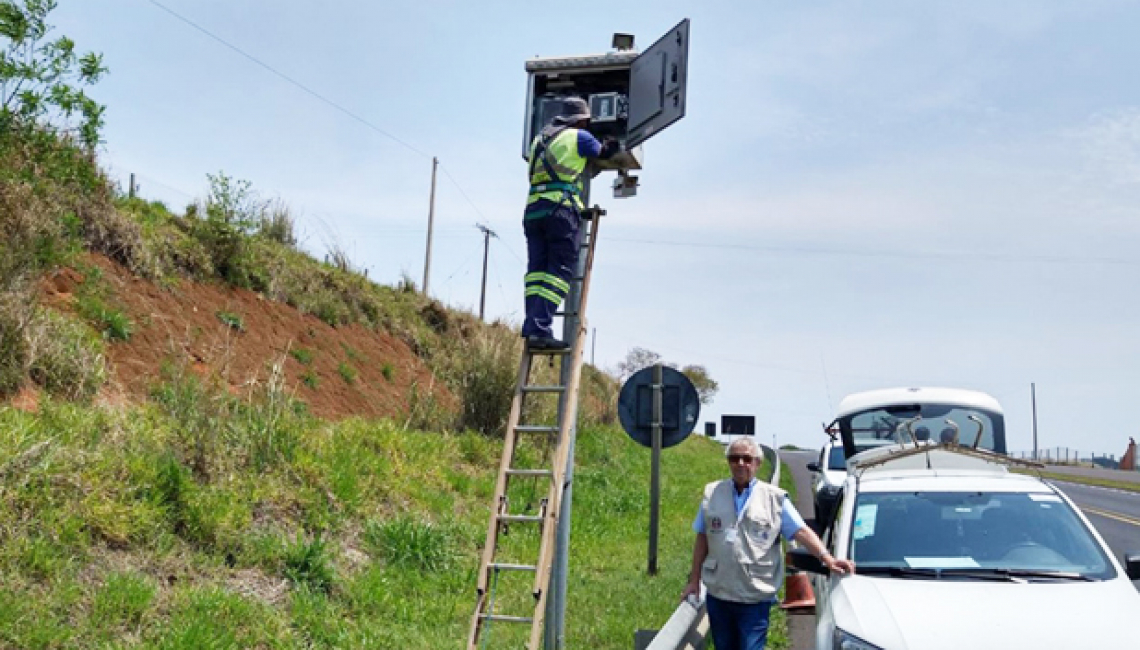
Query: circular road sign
680, 407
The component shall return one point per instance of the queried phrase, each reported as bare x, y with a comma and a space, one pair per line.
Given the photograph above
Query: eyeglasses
736, 458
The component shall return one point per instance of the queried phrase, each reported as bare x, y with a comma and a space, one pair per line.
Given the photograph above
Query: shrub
488, 370
387, 371
64, 356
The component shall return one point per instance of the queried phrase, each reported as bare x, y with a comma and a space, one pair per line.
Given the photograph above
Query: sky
861, 195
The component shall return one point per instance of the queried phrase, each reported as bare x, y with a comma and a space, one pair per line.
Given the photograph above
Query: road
801, 628
1114, 513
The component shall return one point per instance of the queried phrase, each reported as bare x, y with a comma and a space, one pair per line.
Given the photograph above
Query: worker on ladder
558, 158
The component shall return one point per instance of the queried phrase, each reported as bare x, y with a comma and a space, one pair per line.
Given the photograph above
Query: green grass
387, 371
310, 379
231, 320
363, 535
304, 356
1084, 480
346, 372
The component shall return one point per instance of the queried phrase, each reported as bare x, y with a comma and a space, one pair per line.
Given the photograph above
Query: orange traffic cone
798, 595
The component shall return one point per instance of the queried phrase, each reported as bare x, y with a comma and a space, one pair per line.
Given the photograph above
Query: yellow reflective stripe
543, 292
553, 280
556, 282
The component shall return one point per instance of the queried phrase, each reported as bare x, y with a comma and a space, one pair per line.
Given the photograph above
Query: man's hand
692, 589
842, 567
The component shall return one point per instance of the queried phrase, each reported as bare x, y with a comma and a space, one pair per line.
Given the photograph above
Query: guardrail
687, 628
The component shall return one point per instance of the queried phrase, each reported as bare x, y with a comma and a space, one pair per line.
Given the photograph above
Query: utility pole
1033, 396
431, 221
487, 235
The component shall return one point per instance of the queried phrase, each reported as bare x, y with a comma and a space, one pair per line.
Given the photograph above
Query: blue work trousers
738, 626
552, 259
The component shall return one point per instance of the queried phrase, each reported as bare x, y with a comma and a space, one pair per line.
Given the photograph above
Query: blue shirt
790, 520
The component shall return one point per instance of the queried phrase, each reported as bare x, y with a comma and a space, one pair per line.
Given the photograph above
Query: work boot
545, 343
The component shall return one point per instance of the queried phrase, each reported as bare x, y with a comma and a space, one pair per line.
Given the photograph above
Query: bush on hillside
65, 357
487, 368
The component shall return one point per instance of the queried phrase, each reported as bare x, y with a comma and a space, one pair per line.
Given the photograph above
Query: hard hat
574, 109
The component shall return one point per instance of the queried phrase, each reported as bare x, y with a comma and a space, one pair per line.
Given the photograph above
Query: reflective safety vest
556, 168
745, 563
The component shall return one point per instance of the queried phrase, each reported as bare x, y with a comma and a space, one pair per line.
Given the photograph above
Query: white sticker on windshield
865, 516
941, 562
1045, 497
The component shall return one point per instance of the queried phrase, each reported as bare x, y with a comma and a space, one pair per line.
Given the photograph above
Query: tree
706, 386
42, 80
639, 358
635, 360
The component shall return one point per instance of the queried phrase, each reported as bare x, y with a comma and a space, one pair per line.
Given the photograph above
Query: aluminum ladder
493, 606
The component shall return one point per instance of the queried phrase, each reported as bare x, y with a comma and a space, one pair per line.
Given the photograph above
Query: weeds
346, 372
310, 379
387, 371
230, 320
407, 543
308, 563
303, 356
64, 356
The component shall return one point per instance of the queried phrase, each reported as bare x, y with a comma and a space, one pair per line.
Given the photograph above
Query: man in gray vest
738, 555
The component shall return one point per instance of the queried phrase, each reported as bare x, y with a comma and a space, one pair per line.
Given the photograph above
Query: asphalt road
1114, 513
801, 628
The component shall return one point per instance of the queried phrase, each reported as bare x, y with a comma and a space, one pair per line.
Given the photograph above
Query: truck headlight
841, 640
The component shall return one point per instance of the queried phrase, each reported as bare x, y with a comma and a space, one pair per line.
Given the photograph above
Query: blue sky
862, 195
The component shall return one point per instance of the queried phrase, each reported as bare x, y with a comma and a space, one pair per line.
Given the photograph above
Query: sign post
655, 470
658, 408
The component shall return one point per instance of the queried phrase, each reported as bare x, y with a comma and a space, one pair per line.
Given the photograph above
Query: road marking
1111, 515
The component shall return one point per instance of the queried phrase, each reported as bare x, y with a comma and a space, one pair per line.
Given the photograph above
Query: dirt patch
350, 370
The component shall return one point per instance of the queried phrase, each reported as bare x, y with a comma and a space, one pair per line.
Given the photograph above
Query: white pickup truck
954, 551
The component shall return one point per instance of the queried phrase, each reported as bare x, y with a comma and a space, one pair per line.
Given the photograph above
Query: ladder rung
529, 472
551, 353
512, 567
565, 313
521, 518
541, 428
506, 619
534, 388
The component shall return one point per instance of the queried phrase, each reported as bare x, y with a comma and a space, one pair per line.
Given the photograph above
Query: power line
288, 79
920, 255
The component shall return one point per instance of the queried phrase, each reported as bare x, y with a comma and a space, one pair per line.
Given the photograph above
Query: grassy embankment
366, 536
204, 518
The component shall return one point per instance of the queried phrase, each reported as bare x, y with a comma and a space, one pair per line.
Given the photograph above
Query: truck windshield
962, 531
938, 423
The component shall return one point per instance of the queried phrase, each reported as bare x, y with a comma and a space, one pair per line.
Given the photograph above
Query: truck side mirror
802, 559
1132, 564
813, 466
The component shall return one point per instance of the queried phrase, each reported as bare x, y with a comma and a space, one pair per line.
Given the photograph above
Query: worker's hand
692, 589
841, 567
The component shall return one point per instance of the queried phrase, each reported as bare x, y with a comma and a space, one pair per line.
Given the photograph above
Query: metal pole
487, 234
1033, 393
554, 636
593, 345
131, 189
431, 222
655, 469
